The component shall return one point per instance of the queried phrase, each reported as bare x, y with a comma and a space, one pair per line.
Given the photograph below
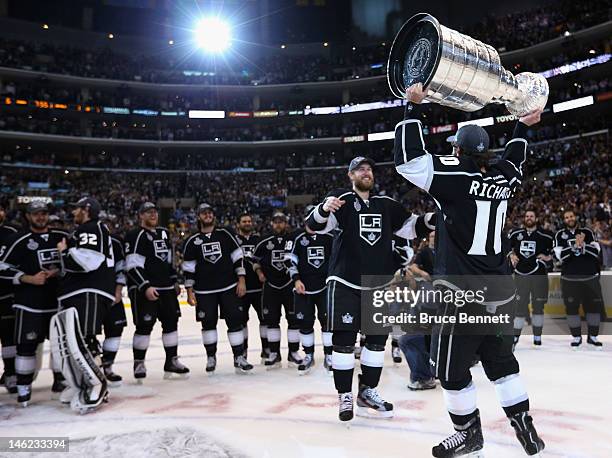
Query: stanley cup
458, 71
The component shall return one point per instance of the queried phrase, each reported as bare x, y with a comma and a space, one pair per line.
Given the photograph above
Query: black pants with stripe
455, 347
92, 309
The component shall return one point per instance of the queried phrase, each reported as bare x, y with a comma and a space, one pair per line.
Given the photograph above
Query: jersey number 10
483, 222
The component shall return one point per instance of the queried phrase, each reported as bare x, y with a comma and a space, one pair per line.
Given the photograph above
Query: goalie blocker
76, 362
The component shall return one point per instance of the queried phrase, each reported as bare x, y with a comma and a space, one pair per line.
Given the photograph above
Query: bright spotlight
213, 35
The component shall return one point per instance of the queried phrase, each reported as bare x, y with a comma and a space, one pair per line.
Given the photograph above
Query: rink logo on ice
161, 250
278, 260
316, 256
370, 227
347, 318
527, 248
211, 252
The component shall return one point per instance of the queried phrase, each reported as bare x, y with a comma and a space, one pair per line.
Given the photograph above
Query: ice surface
280, 414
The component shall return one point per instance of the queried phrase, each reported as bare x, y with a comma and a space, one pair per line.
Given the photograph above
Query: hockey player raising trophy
431, 62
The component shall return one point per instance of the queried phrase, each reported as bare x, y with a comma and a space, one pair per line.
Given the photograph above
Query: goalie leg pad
77, 363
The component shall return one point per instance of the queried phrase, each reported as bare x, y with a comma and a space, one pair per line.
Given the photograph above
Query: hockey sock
537, 322
461, 404
307, 337
343, 364
512, 394
209, 339
293, 339
327, 342
170, 341
245, 337
263, 335
573, 321
519, 322
236, 341
274, 335
140, 344
593, 321
110, 346
8, 357
394, 342
25, 364
372, 359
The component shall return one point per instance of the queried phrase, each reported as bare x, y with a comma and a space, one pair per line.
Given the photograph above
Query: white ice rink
280, 414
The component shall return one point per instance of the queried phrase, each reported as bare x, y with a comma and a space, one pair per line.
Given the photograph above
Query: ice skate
140, 371
273, 361
211, 364
24, 393
174, 369
467, 441
112, 379
10, 383
345, 410
396, 354
526, 433
576, 342
594, 343
370, 404
294, 359
241, 365
307, 364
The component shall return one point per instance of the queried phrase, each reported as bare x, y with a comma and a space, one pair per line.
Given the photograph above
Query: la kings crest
370, 227
278, 259
211, 252
49, 259
527, 248
161, 250
315, 256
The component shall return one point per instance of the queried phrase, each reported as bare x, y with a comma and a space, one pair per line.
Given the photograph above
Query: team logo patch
201, 314
211, 252
527, 248
316, 256
150, 237
49, 259
357, 205
347, 318
519, 237
32, 244
370, 227
564, 236
161, 250
147, 317
248, 250
299, 316
31, 335
278, 260
265, 311
198, 241
270, 245
305, 242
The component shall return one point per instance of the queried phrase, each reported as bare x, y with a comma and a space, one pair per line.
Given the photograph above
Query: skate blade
304, 372
593, 348
293, 365
140, 381
273, 367
114, 384
239, 371
478, 454
23, 404
175, 376
366, 412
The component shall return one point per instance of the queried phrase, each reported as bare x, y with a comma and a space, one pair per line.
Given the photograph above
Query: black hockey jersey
363, 245
213, 261
307, 256
149, 258
472, 204
577, 263
248, 246
527, 245
269, 255
88, 264
6, 288
119, 255
28, 253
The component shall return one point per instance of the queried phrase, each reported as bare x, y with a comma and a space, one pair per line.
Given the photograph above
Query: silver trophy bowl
458, 71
